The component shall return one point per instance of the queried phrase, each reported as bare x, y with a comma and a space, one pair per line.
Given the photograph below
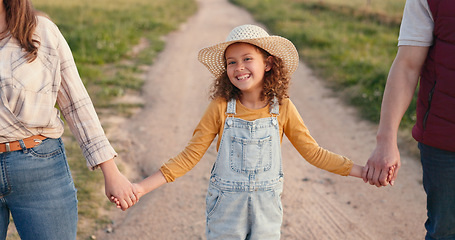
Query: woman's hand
117, 186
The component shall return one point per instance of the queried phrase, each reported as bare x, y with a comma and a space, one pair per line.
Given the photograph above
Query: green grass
103, 32
388, 8
101, 35
348, 43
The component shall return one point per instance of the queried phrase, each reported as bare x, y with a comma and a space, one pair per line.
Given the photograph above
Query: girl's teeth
243, 77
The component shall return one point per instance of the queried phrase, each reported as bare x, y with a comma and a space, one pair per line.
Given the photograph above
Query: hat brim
213, 57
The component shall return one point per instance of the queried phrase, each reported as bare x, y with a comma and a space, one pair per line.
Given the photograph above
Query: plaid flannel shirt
30, 91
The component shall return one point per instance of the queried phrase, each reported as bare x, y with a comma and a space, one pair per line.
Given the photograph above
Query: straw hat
213, 57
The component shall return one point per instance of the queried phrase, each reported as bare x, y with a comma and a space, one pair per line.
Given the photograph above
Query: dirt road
317, 204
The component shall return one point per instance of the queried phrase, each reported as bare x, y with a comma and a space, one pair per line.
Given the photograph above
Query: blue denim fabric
439, 184
244, 194
36, 187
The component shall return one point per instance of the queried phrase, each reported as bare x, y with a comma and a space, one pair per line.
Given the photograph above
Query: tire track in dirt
317, 204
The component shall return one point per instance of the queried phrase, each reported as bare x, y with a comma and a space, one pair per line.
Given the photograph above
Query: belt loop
24, 148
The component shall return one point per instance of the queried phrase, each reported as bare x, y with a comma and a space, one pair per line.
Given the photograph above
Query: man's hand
376, 171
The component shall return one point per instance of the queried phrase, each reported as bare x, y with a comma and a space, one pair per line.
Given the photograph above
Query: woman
37, 71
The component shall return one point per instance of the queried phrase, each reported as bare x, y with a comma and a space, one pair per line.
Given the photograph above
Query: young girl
250, 112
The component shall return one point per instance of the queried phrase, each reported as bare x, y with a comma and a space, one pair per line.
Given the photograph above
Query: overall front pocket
212, 200
251, 155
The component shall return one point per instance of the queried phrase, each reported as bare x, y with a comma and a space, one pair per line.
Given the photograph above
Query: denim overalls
244, 194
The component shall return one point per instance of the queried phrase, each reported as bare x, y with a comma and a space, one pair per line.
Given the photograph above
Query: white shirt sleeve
417, 24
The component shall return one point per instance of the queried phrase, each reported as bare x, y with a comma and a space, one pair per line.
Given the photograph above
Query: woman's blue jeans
439, 184
36, 187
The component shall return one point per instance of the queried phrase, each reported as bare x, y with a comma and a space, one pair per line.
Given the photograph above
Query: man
426, 51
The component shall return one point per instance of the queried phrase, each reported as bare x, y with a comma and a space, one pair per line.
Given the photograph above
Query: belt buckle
8, 149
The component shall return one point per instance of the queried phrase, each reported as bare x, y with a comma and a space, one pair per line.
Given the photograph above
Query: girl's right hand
139, 192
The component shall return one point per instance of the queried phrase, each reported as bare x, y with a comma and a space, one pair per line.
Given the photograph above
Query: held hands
389, 177
140, 189
358, 170
118, 186
126, 195
377, 169
139, 193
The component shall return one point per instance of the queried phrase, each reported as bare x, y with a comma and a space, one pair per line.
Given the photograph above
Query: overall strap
275, 108
231, 107
230, 111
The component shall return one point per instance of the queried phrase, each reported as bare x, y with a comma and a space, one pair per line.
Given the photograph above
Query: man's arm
400, 87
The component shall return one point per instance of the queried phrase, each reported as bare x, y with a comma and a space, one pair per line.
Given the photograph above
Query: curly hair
276, 83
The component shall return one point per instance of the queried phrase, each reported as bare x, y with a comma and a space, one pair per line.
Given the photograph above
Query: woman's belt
29, 142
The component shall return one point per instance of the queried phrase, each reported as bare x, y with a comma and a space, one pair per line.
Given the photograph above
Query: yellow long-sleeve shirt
290, 122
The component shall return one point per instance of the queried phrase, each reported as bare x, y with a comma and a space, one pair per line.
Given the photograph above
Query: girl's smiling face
246, 66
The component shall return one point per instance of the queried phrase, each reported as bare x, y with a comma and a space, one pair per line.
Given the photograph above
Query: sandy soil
317, 204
